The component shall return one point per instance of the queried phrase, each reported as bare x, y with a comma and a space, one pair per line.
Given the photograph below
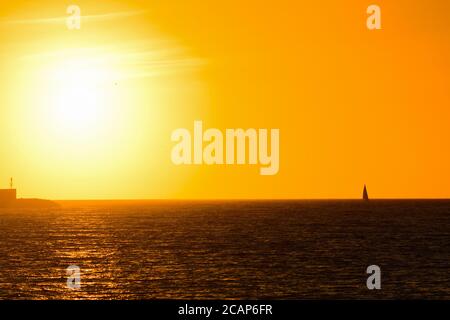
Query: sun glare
81, 100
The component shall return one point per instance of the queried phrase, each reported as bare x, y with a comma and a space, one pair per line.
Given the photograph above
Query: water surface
246, 249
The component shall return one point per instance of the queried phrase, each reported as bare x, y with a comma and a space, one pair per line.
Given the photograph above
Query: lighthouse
8, 196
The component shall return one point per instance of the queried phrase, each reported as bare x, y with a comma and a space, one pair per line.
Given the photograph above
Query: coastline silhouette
8, 199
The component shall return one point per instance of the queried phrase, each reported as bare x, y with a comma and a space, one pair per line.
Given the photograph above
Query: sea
227, 250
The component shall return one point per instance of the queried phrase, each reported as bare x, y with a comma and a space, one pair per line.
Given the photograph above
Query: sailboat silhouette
365, 194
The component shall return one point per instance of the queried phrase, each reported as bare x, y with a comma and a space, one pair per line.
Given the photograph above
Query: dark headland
8, 199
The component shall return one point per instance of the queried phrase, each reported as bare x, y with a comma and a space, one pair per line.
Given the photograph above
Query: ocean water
226, 250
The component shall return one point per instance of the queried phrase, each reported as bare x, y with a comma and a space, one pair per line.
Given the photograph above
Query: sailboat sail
365, 194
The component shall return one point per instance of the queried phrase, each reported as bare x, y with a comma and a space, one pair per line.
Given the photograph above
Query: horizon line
243, 199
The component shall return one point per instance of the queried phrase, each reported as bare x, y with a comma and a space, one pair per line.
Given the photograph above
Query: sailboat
365, 194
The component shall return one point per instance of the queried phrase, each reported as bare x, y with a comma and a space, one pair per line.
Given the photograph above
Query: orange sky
353, 106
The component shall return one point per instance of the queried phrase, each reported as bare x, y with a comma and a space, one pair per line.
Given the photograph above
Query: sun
80, 93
